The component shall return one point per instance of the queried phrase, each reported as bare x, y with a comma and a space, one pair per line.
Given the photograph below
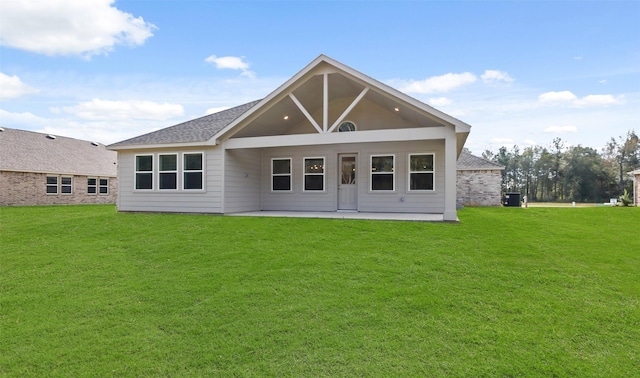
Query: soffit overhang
320, 85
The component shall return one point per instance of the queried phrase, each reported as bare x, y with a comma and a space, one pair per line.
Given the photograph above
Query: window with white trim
281, 174
104, 185
168, 172
52, 184
421, 172
383, 172
92, 185
144, 172
314, 174
193, 171
66, 185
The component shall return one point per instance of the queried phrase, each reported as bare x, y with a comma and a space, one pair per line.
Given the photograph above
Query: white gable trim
426, 133
289, 86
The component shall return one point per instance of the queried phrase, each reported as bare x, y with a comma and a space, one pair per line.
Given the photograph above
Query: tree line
574, 173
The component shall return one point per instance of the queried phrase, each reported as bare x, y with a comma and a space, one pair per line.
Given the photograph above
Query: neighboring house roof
215, 128
635, 173
196, 130
27, 151
468, 162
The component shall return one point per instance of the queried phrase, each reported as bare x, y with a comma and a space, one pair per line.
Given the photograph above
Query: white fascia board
289, 86
282, 91
384, 88
155, 146
397, 135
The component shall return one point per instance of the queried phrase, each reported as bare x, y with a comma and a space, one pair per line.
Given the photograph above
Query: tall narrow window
144, 172
92, 186
421, 172
168, 171
314, 174
281, 174
52, 184
104, 186
66, 185
193, 171
382, 172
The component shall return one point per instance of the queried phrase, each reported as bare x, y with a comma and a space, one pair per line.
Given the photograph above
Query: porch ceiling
284, 115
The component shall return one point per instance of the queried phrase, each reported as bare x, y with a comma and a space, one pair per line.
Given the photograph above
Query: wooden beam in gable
349, 109
305, 112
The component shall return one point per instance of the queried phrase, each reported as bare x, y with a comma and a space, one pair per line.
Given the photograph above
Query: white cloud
599, 100
12, 87
231, 63
440, 101
105, 110
551, 97
17, 120
216, 110
69, 27
530, 142
560, 129
603, 81
440, 84
502, 140
494, 77
587, 101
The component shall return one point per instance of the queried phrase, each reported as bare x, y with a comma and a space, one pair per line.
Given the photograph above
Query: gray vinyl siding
400, 200
242, 181
207, 201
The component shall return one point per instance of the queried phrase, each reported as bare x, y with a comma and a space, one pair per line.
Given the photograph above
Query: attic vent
94, 144
1, 129
49, 136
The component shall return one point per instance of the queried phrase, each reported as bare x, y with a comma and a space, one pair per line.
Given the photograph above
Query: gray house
42, 169
329, 139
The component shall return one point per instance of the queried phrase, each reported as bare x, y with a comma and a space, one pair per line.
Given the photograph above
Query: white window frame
290, 175
185, 171
410, 172
136, 171
69, 185
106, 186
174, 172
94, 186
47, 185
305, 174
355, 127
392, 173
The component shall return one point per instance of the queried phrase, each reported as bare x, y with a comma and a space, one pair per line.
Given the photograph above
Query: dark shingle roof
466, 161
196, 130
27, 151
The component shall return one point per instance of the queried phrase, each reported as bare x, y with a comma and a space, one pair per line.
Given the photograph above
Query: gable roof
468, 162
214, 128
196, 130
27, 151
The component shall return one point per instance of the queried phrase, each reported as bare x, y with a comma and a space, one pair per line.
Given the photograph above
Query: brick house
636, 187
41, 169
478, 181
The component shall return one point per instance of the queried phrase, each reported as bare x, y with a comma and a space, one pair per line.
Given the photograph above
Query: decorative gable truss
309, 108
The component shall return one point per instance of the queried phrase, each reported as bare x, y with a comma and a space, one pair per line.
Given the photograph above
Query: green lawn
87, 291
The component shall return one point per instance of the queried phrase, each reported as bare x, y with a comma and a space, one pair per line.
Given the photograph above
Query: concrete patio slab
344, 215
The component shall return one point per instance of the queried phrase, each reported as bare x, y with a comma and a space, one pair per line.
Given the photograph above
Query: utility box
511, 200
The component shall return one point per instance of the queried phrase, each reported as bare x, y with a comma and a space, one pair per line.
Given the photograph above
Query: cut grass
86, 291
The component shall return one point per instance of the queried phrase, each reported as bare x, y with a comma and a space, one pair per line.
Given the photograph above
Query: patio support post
450, 155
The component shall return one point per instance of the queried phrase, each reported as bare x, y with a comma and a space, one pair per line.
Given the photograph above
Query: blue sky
520, 72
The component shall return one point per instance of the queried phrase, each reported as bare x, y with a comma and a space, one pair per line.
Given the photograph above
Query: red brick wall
26, 188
